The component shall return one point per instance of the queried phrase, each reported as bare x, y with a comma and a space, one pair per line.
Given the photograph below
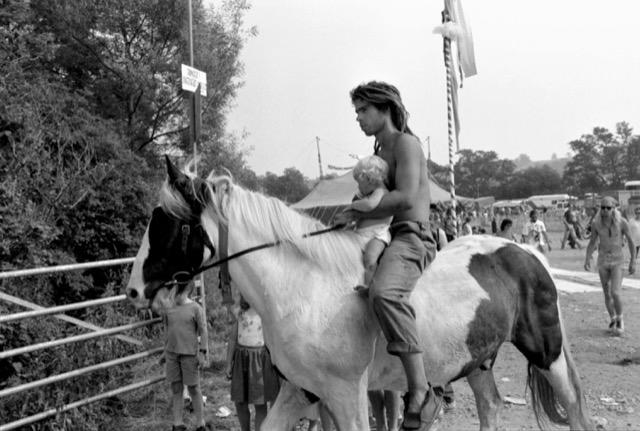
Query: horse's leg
488, 400
287, 410
348, 405
563, 378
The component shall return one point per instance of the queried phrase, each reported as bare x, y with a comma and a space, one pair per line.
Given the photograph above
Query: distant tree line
598, 161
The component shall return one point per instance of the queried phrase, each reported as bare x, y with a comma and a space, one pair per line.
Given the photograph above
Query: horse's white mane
269, 219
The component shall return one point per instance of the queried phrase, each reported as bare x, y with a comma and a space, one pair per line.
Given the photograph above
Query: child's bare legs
196, 399
386, 409
392, 406
261, 414
376, 398
177, 403
372, 252
244, 416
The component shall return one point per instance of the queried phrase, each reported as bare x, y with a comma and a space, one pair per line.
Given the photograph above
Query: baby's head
371, 173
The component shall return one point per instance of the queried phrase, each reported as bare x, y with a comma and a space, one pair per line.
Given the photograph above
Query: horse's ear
173, 172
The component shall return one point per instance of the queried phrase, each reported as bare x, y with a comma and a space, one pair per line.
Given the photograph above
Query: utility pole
319, 158
195, 122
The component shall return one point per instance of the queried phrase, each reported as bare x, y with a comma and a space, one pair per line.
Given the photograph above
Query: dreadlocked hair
384, 96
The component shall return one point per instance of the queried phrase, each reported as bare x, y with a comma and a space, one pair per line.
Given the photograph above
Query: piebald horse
480, 292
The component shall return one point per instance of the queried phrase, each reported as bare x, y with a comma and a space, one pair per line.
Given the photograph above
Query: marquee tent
330, 196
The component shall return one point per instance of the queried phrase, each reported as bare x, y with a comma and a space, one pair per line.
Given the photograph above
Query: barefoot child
185, 323
371, 174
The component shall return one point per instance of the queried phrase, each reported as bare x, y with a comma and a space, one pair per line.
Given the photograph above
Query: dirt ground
609, 367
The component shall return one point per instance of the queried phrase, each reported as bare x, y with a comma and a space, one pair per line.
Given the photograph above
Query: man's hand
632, 267
587, 264
347, 217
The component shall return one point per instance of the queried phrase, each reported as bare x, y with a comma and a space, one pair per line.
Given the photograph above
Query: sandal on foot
428, 415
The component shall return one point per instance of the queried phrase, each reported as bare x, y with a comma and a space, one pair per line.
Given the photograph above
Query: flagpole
450, 115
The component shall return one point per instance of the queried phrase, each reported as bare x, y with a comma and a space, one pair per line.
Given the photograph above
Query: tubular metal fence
37, 311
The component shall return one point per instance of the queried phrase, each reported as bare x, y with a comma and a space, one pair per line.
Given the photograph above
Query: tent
330, 196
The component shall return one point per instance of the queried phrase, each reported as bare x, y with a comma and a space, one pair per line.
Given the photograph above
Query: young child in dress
253, 377
186, 351
371, 175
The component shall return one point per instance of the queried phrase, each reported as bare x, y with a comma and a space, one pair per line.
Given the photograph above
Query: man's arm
590, 247
368, 203
632, 246
408, 157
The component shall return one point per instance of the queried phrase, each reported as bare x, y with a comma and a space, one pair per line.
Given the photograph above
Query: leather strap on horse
225, 277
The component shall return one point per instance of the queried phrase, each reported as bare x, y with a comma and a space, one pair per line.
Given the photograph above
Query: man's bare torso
420, 210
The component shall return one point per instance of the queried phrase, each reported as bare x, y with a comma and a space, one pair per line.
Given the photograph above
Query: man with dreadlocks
381, 113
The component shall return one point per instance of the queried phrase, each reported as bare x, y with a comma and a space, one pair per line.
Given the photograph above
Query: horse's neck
279, 281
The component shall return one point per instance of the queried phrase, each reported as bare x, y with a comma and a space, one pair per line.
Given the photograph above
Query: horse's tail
545, 399
556, 392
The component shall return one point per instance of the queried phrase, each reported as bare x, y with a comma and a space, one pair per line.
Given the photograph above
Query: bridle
182, 278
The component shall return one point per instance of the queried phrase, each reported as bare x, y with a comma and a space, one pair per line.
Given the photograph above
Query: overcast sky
548, 72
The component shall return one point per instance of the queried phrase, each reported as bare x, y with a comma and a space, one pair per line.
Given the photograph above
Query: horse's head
174, 245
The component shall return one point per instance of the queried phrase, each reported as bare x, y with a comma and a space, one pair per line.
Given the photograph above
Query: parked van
633, 187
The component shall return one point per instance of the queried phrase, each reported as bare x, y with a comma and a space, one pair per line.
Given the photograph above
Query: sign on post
191, 78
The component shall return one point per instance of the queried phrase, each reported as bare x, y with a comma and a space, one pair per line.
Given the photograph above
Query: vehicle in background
633, 187
559, 201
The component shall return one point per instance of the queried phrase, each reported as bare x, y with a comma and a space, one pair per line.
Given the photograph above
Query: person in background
466, 227
506, 230
571, 228
535, 232
385, 406
436, 229
450, 224
634, 228
254, 380
608, 229
186, 351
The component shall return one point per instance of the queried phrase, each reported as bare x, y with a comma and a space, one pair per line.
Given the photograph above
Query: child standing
253, 377
536, 232
186, 351
371, 175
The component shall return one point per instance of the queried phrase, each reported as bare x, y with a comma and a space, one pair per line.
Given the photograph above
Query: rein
183, 277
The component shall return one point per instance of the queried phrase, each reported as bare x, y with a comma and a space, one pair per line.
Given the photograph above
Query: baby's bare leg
372, 253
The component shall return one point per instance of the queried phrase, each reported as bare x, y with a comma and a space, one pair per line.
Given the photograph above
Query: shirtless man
381, 113
608, 226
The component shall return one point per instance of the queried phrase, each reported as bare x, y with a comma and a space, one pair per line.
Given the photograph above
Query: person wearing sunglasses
608, 229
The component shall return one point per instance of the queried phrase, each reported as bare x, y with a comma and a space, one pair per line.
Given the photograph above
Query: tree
602, 160
533, 181
481, 173
290, 187
125, 57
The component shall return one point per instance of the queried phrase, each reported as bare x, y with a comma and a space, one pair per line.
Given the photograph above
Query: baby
371, 175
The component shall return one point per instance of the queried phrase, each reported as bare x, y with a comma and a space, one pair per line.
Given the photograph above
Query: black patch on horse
174, 245
516, 282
